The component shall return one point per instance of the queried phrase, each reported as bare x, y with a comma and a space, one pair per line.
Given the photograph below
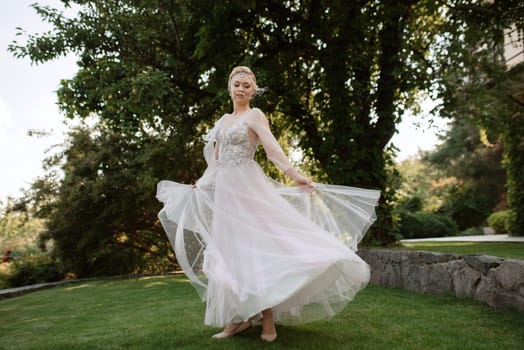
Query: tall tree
102, 214
335, 71
473, 158
153, 73
477, 84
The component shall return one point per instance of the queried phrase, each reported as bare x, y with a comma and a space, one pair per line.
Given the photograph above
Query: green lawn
508, 250
165, 313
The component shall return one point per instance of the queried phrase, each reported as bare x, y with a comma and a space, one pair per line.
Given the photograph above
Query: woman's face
242, 88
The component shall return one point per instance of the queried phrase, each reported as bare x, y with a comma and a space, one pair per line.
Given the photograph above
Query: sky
28, 101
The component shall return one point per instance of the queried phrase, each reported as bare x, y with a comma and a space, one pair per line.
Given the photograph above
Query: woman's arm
216, 151
260, 125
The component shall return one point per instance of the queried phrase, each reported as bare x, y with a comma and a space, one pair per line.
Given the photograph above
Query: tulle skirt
249, 243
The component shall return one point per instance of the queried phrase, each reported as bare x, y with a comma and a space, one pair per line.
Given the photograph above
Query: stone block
510, 274
504, 299
412, 277
437, 279
432, 258
482, 263
389, 277
494, 281
465, 281
486, 291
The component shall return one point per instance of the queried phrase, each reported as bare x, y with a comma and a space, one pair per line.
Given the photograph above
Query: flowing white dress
249, 243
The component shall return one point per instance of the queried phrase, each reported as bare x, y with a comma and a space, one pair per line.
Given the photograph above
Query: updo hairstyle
248, 72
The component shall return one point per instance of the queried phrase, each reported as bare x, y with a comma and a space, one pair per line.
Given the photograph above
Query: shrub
34, 269
473, 231
426, 225
500, 221
412, 204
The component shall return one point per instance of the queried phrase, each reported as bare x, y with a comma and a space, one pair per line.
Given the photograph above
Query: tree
153, 73
473, 158
19, 229
423, 186
477, 85
103, 220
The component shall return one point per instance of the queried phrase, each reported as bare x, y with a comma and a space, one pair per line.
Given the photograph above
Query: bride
258, 250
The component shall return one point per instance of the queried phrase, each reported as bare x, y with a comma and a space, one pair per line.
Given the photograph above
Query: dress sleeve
274, 152
211, 147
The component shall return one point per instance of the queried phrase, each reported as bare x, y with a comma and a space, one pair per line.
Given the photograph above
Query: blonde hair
245, 70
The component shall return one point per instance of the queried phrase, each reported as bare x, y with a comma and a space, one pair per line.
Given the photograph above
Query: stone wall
494, 281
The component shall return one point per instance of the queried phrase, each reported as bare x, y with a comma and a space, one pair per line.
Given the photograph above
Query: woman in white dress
258, 250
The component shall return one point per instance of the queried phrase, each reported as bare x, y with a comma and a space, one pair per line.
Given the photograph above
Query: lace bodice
234, 146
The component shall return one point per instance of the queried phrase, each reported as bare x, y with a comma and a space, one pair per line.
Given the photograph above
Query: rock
502, 298
438, 279
465, 281
510, 274
494, 281
485, 291
389, 277
431, 258
411, 277
482, 262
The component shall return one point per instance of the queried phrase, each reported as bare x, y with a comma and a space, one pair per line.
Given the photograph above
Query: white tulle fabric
249, 243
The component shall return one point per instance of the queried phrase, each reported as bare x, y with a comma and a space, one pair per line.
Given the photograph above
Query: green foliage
514, 163
423, 191
472, 231
103, 218
19, 232
33, 269
500, 221
472, 158
19, 229
426, 225
424, 187
334, 73
152, 75
410, 204
480, 87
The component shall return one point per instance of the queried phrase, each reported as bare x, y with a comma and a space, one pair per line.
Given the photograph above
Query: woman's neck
238, 109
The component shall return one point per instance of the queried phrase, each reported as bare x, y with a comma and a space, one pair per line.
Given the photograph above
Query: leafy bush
426, 225
413, 203
500, 221
34, 269
473, 231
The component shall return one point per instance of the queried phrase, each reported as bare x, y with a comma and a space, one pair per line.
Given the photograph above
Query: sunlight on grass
78, 287
166, 313
154, 284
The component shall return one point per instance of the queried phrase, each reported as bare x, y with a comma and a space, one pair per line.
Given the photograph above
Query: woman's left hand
305, 183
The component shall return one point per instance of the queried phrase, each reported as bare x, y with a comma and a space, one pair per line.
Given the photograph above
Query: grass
507, 250
165, 313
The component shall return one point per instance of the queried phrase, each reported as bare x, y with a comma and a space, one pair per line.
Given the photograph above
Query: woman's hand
301, 181
304, 183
